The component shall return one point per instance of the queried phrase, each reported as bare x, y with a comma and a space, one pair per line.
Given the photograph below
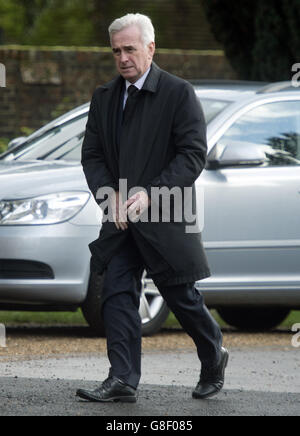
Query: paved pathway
258, 382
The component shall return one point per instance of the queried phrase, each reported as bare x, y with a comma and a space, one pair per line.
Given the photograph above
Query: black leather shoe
212, 379
112, 389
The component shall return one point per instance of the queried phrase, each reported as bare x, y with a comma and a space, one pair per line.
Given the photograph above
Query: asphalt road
259, 382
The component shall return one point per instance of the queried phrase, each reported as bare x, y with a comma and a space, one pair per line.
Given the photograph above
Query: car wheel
253, 318
91, 307
153, 309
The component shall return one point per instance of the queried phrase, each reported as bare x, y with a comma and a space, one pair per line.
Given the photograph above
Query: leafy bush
261, 38
3, 144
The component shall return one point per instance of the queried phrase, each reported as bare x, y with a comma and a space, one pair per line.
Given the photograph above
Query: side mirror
16, 141
236, 154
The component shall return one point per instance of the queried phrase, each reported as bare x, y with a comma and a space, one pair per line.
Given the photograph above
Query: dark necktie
130, 102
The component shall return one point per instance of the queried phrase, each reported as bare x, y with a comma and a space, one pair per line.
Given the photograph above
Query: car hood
33, 178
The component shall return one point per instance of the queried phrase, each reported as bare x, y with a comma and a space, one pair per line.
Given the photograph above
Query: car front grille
24, 269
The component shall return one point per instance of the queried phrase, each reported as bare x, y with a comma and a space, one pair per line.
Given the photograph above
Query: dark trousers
120, 311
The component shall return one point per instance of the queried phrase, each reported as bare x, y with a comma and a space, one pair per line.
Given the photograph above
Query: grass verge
76, 318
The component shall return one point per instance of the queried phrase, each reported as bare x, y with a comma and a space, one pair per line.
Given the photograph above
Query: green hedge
3, 144
260, 38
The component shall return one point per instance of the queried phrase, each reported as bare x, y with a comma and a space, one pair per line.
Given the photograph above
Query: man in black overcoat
146, 134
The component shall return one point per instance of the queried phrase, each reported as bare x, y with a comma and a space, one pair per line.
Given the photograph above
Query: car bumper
45, 264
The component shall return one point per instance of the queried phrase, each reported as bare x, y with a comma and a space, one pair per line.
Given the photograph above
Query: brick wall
42, 83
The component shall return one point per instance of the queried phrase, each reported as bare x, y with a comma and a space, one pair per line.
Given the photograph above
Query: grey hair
143, 22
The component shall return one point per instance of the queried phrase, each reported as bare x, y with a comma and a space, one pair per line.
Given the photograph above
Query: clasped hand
130, 209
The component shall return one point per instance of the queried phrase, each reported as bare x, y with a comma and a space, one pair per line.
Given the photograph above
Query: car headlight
46, 209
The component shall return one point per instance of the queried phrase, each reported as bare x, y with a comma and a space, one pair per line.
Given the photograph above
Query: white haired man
146, 126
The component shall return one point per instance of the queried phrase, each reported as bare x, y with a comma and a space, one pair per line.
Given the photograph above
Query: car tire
253, 318
153, 309
91, 307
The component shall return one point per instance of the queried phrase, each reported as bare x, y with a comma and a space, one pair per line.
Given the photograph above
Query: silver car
251, 213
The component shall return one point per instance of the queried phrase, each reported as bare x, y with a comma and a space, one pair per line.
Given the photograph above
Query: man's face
132, 57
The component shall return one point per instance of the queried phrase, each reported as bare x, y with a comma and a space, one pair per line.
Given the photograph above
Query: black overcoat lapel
110, 117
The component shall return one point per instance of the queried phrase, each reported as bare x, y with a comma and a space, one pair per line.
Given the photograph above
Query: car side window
273, 126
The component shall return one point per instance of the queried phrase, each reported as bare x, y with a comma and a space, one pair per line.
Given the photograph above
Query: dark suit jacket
163, 144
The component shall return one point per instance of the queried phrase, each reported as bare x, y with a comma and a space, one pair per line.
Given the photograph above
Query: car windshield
61, 142
212, 107
64, 141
